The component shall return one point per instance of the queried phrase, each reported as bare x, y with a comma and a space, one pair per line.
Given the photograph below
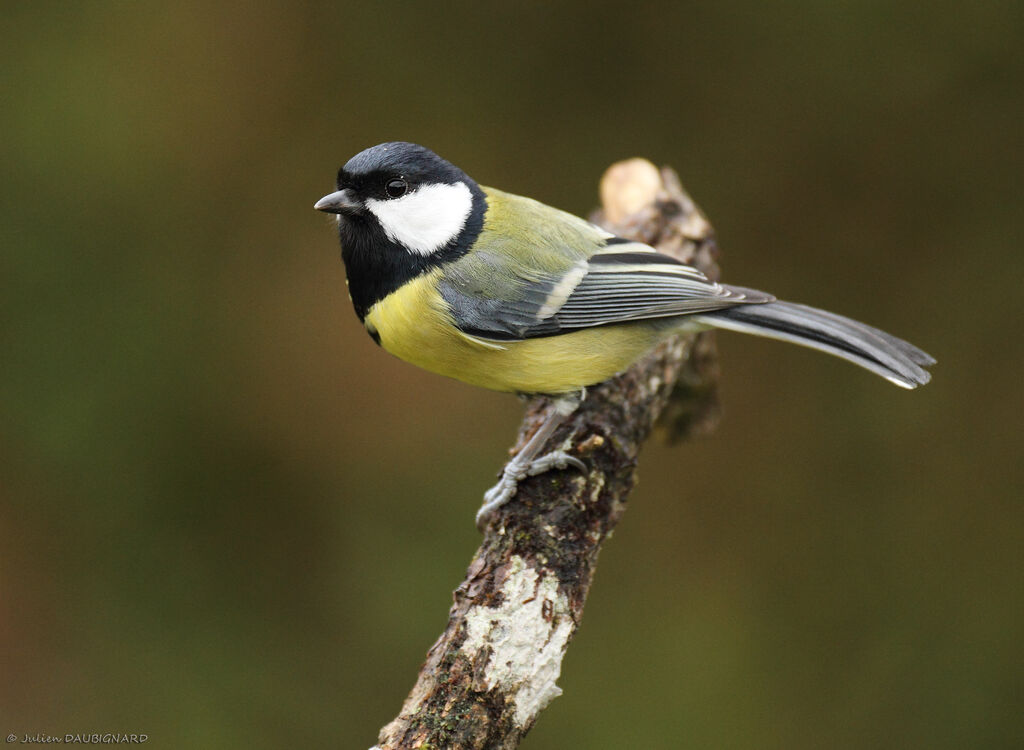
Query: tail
894, 359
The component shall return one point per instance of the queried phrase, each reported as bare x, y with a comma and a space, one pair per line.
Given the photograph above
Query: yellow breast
415, 324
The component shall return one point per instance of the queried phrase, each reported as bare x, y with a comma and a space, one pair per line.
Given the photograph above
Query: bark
494, 668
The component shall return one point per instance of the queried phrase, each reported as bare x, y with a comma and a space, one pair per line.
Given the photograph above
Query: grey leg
526, 463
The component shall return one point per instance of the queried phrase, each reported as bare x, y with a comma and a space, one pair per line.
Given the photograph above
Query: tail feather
894, 359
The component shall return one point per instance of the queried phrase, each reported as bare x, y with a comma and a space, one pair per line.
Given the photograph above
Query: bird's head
404, 195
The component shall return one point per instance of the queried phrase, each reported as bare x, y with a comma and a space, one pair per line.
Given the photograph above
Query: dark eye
396, 188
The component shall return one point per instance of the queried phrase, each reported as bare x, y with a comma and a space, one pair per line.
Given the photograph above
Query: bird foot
515, 471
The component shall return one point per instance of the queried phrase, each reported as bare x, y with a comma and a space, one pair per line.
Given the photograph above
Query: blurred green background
229, 520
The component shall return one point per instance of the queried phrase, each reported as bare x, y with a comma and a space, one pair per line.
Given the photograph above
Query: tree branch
494, 668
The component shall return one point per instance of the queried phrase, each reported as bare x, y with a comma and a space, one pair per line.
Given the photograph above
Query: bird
505, 292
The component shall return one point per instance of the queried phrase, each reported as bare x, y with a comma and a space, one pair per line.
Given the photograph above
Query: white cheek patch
427, 219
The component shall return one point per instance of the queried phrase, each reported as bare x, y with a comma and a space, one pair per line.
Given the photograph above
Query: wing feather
543, 284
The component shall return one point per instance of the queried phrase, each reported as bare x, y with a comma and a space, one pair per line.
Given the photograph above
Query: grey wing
622, 281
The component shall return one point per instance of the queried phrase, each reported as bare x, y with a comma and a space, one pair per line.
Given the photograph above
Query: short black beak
341, 202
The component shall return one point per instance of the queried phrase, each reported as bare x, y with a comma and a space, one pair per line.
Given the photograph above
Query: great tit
507, 293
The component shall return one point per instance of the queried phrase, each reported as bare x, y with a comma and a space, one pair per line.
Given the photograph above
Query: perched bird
507, 293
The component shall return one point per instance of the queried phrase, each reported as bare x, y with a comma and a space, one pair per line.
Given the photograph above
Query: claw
494, 498
514, 472
554, 460
527, 464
